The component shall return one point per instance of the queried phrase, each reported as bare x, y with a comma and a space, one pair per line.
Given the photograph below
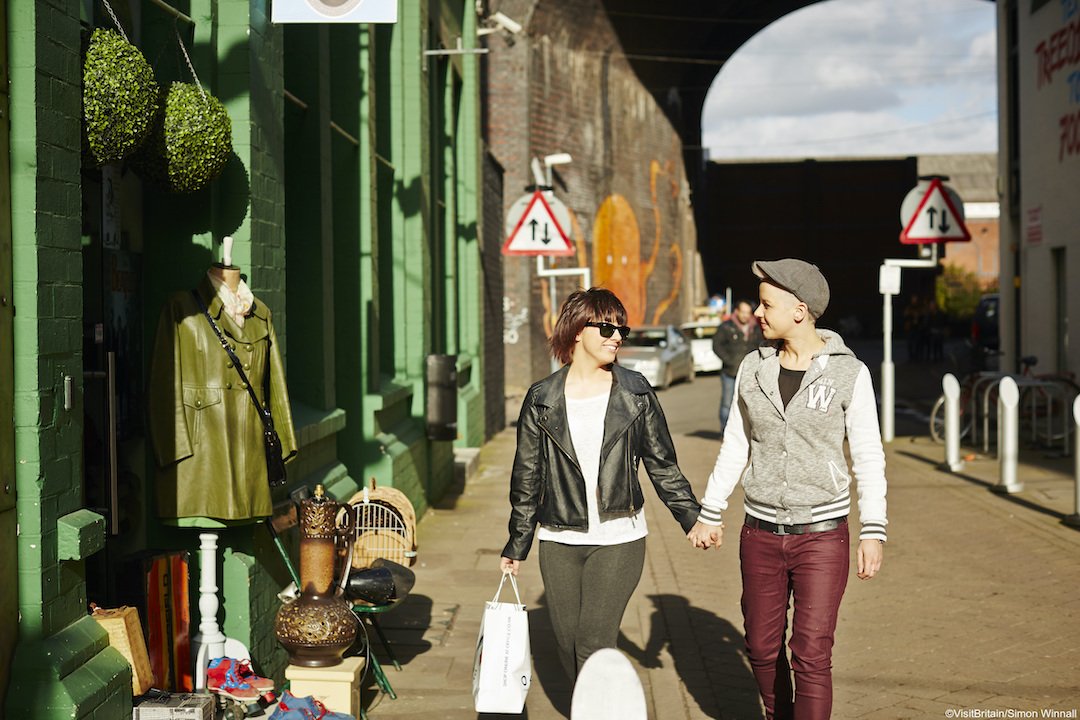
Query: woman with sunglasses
581, 435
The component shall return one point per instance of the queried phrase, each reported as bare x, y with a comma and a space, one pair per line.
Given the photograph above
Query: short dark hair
596, 304
742, 301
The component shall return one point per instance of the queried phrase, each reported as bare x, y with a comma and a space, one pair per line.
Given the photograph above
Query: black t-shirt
790, 380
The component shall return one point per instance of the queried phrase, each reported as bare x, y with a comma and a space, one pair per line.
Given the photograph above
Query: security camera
506, 23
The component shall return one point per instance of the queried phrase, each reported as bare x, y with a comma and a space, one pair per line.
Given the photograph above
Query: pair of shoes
235, 679
291, 707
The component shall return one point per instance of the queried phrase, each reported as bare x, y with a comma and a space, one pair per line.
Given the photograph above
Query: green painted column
63, 666
470, 289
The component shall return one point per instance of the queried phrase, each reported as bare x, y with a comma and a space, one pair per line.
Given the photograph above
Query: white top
585, 418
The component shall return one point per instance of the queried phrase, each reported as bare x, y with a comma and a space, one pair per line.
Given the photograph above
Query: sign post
931, 214
535, 226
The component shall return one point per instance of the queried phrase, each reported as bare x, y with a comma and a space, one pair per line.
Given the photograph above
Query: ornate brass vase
319, 626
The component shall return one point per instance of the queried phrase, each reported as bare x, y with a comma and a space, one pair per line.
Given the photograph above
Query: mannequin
207, 434
225, 271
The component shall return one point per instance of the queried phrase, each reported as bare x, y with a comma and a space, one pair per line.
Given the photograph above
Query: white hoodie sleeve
730, 463
867, 457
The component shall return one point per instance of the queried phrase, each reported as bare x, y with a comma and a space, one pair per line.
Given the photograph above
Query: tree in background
957, 292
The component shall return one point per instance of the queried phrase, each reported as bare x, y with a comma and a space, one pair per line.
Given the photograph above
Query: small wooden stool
337, 687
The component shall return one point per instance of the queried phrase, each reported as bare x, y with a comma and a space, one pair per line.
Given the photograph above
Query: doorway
1061, 311
112, 372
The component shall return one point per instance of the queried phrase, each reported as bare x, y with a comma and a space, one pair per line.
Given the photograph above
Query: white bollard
1074, 519
1008, 436
951, 387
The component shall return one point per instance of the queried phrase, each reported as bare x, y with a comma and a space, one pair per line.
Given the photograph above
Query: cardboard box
337, 687
126, 635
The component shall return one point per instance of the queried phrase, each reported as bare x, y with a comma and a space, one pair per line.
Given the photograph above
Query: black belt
803, 529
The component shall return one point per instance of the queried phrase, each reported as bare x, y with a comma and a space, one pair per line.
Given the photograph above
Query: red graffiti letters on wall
1057, 52
1070, 135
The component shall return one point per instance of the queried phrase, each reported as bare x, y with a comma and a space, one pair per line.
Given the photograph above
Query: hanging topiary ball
119, 96
190, 142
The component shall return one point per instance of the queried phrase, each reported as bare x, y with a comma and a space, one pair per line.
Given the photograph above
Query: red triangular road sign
538, 232
936, 219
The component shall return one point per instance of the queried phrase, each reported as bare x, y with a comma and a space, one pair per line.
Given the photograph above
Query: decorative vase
319, 626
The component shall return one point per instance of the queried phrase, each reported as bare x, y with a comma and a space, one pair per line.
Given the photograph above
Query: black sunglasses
607, 329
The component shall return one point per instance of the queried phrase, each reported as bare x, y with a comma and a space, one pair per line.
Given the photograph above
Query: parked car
661, 353
701, 337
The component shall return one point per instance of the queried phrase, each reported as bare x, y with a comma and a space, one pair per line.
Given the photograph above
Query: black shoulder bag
275, 463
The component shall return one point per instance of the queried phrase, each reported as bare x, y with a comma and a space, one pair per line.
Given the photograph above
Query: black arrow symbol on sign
532, 226
931, 212
944, 220
547, 237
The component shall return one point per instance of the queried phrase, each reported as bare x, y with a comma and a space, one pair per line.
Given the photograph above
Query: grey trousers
588, 588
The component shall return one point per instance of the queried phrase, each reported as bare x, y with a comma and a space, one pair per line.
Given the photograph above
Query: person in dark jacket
581, 435
733, 340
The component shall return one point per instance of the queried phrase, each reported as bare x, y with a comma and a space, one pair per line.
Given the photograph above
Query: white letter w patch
819, 396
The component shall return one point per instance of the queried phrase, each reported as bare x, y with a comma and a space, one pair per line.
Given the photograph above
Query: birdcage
385, 524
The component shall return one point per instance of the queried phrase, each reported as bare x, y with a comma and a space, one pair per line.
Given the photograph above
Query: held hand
870, 556
705, 536
507, 565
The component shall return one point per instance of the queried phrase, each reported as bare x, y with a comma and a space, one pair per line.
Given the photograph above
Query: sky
855, 78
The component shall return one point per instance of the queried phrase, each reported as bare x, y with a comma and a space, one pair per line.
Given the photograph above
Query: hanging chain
116, 22
191, 67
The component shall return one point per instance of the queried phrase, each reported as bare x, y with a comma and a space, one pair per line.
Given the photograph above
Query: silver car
661, 353
701, 337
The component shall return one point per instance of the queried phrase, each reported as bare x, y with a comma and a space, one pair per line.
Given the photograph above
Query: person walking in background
733, 340
581, 435
798, 399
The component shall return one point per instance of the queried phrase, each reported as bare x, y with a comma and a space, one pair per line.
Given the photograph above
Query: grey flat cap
798, 277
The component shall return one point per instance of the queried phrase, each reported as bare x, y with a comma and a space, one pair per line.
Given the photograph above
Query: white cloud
860, 77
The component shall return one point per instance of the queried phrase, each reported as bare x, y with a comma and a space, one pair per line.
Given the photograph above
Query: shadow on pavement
547, 669
1022, 502
709, 655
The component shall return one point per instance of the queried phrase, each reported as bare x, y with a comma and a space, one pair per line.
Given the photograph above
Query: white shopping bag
502, 668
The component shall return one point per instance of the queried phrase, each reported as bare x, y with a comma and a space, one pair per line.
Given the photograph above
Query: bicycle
973, 387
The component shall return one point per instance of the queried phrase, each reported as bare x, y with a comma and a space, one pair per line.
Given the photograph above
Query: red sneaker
222, 678
243, 669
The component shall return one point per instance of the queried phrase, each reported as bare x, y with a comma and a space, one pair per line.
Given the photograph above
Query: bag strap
513, 584
232, 355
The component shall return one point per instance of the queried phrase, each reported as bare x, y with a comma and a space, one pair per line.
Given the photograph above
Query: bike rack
985, 376
1021, 383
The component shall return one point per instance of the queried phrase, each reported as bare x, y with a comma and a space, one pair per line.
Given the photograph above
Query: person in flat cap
798, 398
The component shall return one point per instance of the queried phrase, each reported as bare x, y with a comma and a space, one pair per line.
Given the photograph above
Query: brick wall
564, 86
492, 265
47, 272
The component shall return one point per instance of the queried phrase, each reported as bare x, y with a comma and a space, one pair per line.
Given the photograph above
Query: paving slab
977, 606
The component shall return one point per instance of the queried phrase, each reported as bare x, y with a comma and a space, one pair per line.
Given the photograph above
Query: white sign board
937, 216
537, 232
334, 11
889, 280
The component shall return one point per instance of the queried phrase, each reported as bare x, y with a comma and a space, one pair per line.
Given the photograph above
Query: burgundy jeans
813, 570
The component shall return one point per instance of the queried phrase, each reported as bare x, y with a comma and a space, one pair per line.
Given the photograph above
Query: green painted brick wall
75, 672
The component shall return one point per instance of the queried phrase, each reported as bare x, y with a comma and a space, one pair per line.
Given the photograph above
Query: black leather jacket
547, 486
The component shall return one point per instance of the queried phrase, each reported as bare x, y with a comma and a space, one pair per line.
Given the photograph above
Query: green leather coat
207, 435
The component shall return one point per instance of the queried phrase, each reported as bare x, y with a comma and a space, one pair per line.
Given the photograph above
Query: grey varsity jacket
791, 460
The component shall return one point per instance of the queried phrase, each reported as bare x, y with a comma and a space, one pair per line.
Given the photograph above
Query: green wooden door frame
9, 586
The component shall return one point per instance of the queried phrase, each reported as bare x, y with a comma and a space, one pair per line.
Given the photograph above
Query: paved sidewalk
977, 607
